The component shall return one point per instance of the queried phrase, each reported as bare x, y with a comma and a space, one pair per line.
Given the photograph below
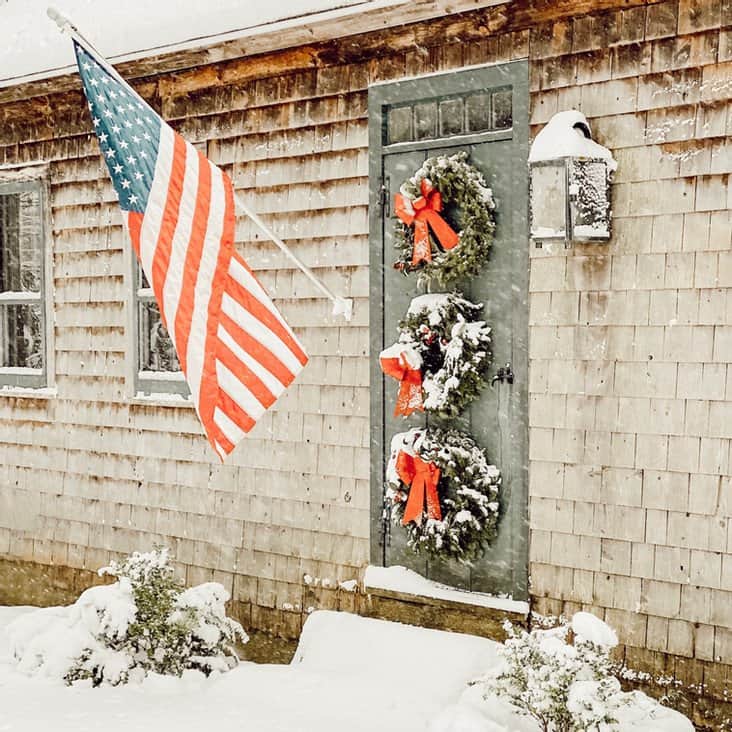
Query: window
22, 284
157, 367
466, 114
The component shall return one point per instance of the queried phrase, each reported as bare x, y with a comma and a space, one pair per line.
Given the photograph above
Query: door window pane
502, 109
425, 120
456, 115
478, 112
451, 117
400, 124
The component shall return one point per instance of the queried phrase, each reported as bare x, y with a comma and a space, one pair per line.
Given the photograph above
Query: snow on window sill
28, 392
156, 393
21, 295
162, 399
407, 582
162, 375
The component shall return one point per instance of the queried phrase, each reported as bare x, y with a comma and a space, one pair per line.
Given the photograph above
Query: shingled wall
630, 342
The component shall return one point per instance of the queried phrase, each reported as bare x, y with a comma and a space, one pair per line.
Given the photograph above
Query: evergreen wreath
468, 211
468, 489
453, 347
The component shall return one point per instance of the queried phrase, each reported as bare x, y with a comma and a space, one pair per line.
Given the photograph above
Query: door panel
497, 419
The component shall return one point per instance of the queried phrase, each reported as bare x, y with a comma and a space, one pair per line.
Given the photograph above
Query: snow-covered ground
349, 673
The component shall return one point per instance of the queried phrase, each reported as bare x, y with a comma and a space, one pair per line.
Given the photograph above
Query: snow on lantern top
570, 182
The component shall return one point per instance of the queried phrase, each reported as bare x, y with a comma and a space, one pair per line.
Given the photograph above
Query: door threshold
406, 584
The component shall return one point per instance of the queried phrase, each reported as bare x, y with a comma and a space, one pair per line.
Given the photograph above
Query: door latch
504, 374
385, 529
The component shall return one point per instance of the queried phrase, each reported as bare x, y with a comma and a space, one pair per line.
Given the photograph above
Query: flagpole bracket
343, 306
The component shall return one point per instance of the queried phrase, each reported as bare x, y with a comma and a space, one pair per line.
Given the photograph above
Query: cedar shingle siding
630, 343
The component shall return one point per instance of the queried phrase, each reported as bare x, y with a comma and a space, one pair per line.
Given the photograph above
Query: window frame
21, 377
145, 386
466, 136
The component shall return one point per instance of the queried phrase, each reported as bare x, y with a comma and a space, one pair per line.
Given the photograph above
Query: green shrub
147, 621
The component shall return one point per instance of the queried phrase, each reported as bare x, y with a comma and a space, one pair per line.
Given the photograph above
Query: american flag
236, 351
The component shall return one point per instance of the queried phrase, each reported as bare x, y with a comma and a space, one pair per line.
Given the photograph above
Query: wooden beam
277, 39
404, 28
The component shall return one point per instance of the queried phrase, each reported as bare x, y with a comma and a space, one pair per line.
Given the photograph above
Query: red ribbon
421, 212
409, 398
422, 477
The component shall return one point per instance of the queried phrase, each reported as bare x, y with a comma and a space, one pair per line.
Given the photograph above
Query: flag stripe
273, 384
258, 351
219, 440
212, 291
169, 222
203, 301
238, 392
255, 385
189, 271
182, 241
260, 332
234, 411
153, 218
243, 276
254, 306
134, 226
232, 431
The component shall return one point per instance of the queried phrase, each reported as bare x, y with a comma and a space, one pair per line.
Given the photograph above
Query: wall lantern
570, 177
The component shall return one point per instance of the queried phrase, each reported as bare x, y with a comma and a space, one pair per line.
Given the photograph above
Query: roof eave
269, 37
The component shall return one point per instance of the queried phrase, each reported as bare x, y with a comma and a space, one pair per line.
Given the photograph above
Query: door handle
504, 374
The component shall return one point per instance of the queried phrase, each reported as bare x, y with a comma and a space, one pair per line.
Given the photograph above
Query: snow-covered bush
144, 622
561, 677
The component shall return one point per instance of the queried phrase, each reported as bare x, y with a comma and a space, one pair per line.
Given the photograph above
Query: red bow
421, 212
410, 390
423, 478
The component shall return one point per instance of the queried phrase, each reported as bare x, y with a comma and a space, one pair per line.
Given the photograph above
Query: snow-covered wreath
442, 489
448, 205
441, 355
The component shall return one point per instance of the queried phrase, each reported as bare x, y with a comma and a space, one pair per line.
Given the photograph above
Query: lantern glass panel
588, 195
549, 200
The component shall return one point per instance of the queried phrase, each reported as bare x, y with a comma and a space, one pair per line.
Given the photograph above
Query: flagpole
341, 305
66, 26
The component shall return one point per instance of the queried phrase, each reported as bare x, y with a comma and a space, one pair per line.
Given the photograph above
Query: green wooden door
483, 111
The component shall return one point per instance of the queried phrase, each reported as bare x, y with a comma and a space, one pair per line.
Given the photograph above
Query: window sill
162, 400
28, 392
